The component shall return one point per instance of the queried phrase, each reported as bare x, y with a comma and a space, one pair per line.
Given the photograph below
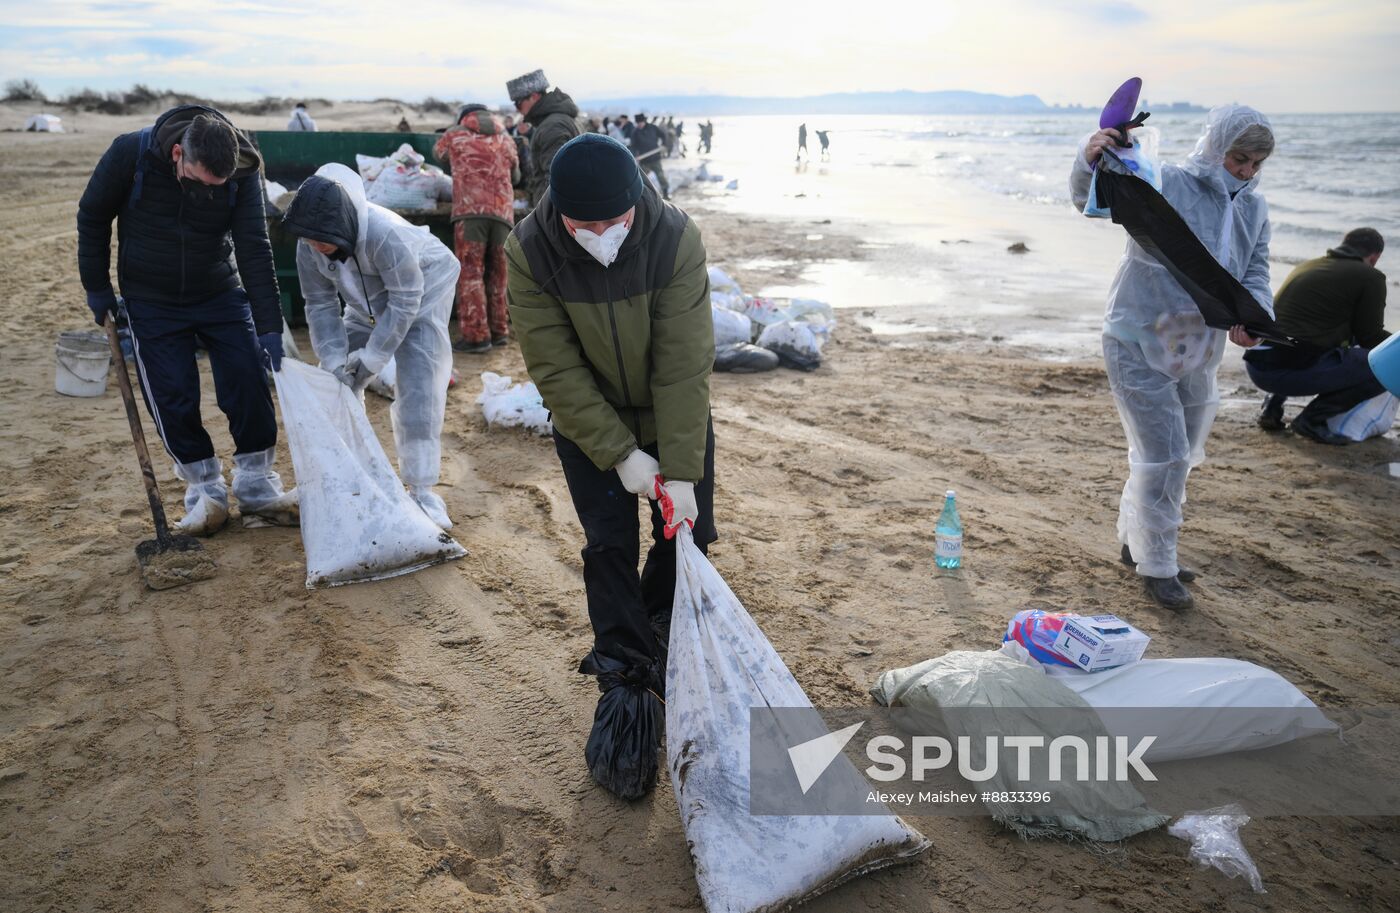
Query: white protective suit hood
1224, 125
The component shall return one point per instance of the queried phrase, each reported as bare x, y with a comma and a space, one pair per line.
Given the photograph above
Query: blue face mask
1232, 184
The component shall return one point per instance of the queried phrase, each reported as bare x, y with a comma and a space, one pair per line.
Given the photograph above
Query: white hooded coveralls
398, 287
1161, 357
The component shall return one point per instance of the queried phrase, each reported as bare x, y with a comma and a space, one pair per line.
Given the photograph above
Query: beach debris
1215, 842
358, 523
744, 358
721, 665
507, 405
1019, 248
43, 123
732, 185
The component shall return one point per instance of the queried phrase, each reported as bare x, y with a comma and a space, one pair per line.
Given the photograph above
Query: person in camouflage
484, 166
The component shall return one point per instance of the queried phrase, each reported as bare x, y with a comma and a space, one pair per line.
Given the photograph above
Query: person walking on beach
195, 268
801, 141
396, 281
484, 167
647, 145
610, 301
552, 120
821, 138
1335, 307
301, 122
707, 133
1161, 357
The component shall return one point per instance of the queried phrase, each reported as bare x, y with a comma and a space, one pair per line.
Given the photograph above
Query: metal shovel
168, 560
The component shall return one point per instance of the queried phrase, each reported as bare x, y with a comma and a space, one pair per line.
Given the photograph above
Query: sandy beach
243, 744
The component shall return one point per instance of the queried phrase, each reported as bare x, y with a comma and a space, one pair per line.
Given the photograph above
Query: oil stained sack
357, 521
720, 665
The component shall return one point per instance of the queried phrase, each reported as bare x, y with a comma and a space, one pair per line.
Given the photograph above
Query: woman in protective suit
397, 281
1161, 357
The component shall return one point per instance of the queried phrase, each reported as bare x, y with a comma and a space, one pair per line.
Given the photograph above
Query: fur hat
524, 86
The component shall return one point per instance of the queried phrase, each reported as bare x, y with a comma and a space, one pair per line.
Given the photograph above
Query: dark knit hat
593, 178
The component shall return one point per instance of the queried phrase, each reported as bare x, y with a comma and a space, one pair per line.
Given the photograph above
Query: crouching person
397, 282
186, 193
609, 298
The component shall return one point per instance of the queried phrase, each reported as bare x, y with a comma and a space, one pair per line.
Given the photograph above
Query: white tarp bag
507, 405
1370, 419
357, 521
43, 123
720, 665
731, 327
1220, 705
724, 291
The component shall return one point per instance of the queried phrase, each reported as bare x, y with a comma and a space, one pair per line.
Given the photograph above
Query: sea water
936, 201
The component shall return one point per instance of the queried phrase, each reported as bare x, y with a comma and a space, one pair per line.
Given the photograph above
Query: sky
1283, 56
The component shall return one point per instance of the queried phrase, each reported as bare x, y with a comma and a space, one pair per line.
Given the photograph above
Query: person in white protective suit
397, 281
1160, 355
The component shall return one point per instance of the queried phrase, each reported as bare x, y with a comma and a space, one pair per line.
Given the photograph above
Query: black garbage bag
1161, 231
627, 726
743, 358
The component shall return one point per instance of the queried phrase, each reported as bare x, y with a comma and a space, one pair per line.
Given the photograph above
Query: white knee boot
432, 505
258, 489
206, 497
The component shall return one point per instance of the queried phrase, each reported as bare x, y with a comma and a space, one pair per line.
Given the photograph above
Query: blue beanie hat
594, 178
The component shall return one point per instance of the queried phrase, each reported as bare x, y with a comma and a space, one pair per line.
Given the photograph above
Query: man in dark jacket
187, 197
1335, 307
610, 300
648, 144
553, 120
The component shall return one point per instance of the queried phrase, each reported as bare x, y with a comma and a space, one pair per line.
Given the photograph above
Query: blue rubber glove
101, 304
272, 344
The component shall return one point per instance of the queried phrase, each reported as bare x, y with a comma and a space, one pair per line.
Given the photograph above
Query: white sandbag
369, 166
720, 665
357, 521
724, 291
731, 327
43, 123
798, 344
507, 405
1370, 419
404, 190
1221, 705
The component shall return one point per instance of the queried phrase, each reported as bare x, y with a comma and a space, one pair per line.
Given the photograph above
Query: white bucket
81, 362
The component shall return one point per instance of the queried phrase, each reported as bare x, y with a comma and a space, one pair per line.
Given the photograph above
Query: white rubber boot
261, 500
432, 505
206, 497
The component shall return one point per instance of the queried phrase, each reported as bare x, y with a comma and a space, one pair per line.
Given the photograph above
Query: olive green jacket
621, 355
553, 122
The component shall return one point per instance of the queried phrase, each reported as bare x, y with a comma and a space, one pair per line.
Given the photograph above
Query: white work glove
355, 374
638, 472
677, 502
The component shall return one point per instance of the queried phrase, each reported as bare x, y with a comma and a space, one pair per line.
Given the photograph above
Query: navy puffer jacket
177, 247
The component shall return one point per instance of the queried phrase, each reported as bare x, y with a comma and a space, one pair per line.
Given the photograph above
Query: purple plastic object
1123, 105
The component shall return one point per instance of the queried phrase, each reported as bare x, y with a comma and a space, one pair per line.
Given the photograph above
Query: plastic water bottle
947, 535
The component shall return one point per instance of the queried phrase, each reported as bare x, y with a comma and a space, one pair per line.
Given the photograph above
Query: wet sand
243, 744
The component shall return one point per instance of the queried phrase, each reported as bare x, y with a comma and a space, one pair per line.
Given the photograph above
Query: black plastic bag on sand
627, 726
743, 358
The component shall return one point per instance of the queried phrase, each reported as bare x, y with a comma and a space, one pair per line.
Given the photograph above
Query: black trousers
1338, 379
629, 612
164, 338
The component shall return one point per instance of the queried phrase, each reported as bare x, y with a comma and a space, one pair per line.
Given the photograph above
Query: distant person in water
802, 142
821, 138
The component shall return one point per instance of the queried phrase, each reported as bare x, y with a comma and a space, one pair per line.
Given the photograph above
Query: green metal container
291, 157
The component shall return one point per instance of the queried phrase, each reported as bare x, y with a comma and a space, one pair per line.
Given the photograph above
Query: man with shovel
187, 197
647, 145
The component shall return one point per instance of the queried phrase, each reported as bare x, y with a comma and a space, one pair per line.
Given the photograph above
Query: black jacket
176, 247
645, 139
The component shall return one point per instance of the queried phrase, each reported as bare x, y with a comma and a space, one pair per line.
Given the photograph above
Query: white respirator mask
602, 247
